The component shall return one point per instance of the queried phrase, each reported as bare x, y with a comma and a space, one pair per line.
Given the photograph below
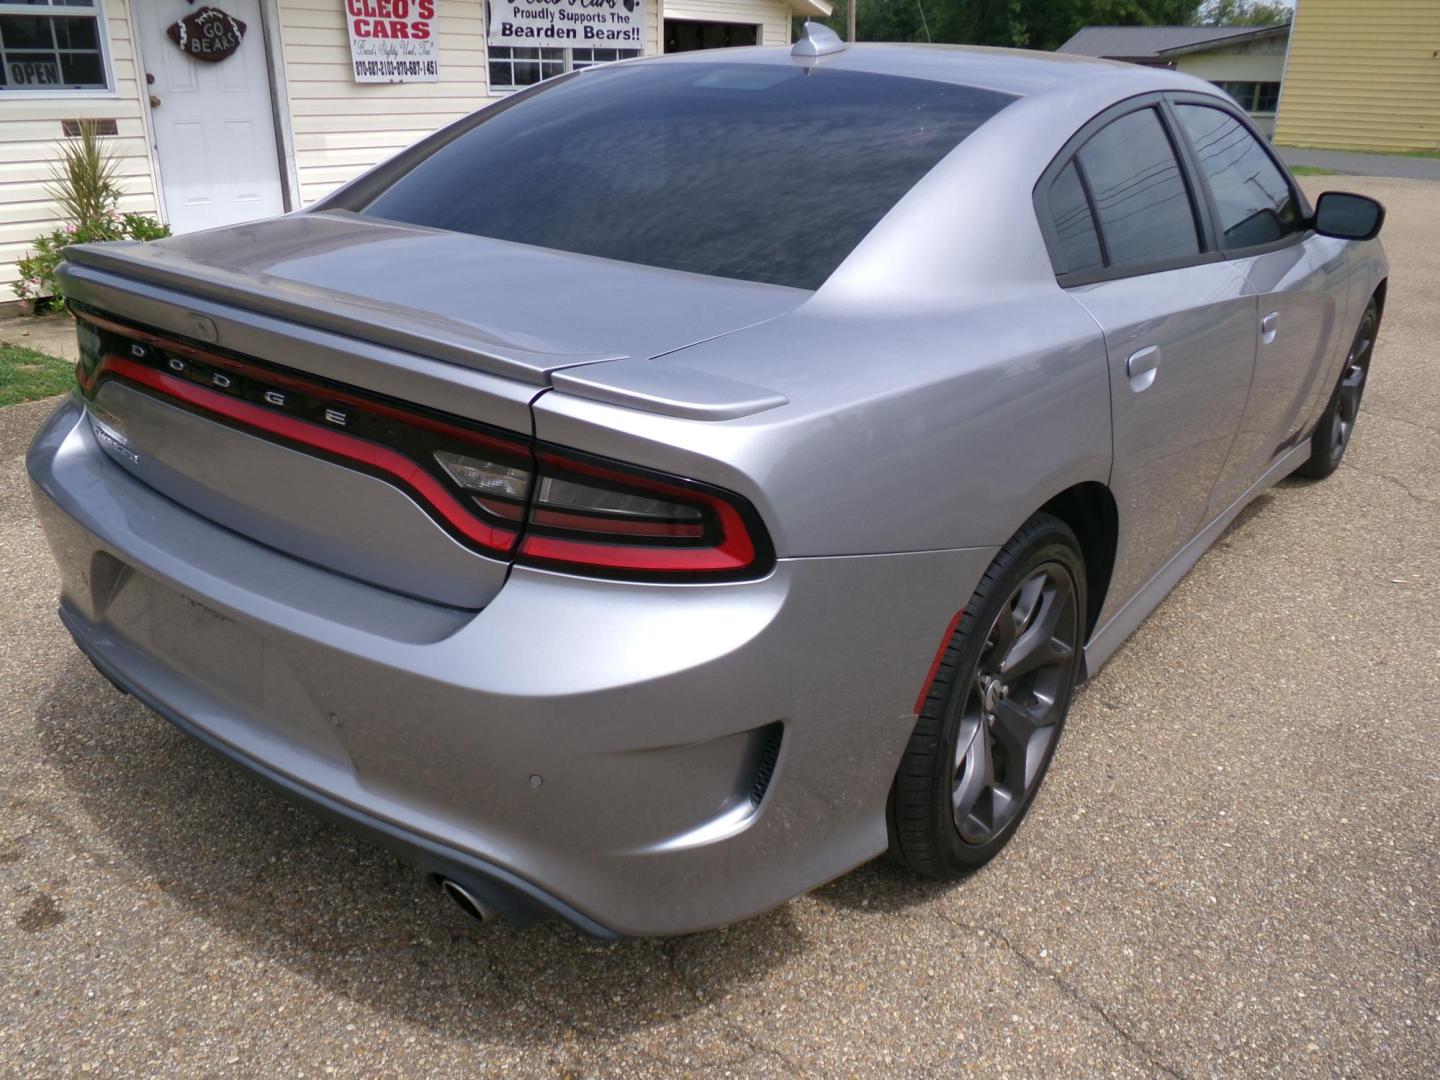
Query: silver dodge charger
658, 493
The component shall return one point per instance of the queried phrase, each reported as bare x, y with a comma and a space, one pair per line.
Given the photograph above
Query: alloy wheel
1012, 708
1352, 386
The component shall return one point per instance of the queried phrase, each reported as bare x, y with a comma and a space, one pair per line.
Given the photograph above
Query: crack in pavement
1402, 420
1071, 991
755, 1046
1422, 499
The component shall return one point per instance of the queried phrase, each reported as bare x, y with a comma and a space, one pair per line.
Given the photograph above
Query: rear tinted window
1074, 224
1140, 195
1255, 202
761, 172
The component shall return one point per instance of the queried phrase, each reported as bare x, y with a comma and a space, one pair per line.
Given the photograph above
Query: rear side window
1138, 192
1255, 202
1074, 224
764, 172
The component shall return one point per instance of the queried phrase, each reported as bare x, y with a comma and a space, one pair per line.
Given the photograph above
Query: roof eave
1229, 39
816, 9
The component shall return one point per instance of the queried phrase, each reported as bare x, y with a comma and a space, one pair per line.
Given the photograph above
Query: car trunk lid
335, 314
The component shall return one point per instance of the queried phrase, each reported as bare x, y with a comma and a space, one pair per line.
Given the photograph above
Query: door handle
154, 101
1269, 327
1142, 367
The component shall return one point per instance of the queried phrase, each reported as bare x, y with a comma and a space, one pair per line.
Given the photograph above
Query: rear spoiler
102, 274
258, 316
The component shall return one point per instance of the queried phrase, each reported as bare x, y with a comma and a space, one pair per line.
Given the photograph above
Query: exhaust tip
467, 902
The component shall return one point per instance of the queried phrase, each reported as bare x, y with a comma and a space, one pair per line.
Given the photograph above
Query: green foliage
38, 284
1027, 24
1038, 24
1243, 13
83, 186
27, 375
143, 227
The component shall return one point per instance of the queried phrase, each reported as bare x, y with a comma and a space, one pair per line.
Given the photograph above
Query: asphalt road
1232, 869
1358, 164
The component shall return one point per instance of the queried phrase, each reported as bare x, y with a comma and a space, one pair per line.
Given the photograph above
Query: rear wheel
992, 718
1337, 423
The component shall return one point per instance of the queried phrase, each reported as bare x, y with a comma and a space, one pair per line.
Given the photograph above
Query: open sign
34, 73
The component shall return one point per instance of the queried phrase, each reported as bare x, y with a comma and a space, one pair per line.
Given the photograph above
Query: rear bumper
587, 749
517, 900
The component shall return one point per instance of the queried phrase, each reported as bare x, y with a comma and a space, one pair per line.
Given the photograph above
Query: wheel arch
1379, 296
1090, 510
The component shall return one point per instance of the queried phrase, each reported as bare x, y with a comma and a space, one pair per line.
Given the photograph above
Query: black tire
938, 817
1337, 423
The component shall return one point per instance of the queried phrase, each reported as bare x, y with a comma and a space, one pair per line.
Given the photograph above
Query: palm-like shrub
82, 181
84, 187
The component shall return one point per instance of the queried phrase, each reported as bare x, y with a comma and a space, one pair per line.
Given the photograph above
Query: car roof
1020, 72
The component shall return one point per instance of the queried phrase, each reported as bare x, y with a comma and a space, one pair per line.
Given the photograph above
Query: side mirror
1348, 217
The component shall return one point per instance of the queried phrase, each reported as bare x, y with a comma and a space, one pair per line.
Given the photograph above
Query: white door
214, 130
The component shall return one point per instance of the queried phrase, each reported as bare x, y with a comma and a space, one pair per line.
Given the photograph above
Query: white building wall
773, 19
341, 127
30, 136
1233, 66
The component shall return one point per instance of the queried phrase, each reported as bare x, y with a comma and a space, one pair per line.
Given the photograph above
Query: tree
1243, 13
1028, 24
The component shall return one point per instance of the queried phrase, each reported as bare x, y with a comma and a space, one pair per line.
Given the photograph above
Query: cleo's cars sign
393, 40
598, 24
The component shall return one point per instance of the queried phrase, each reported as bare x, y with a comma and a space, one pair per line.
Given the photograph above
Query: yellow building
1362, 76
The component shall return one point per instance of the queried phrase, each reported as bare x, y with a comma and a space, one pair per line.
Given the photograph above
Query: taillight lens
594, 516
495, 487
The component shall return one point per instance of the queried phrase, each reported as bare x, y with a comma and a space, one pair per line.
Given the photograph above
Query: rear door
1133, 247
1260, 224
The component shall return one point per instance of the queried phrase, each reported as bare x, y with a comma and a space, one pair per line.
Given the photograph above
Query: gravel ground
1232, 870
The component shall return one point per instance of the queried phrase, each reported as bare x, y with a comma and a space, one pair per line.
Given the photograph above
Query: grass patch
1312, 170
1372, 153
27, 375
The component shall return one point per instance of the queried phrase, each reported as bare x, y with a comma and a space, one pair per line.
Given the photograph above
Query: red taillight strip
646, 558
614, 525
390, 462
275, 377
935, 664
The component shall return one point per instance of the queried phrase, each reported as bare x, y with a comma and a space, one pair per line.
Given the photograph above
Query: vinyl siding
341, 127
1262, 62
773, 19
1363, 76
30, 137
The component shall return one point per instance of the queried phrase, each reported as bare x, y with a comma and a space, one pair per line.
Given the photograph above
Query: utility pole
850, 21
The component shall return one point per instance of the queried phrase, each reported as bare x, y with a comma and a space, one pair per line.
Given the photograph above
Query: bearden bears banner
598, 24
393, 41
